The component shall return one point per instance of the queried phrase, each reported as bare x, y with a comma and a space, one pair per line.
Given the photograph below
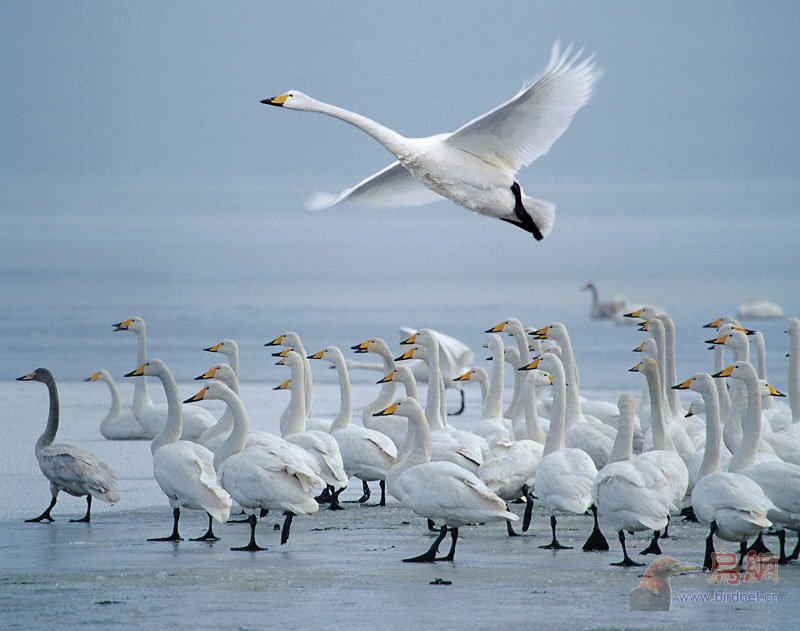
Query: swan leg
626, 560
366, 494
209, 536
287, 526
742, 553
596, 541
554, 544
782, 560
708, 561
525, 221
758, 545
240, 521
665, 535
528, 514
509, 527
430, 555
653, 548
688, 514
88, 516
454, 539
250, 547
461, 409
432, 526
382, 484
325, 496
796, 552
45, 516
335, 505
176, 515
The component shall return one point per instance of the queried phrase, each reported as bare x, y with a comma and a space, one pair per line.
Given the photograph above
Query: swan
779, 415
321, 445
116, 425
633, 495
69, 469
475, 165
291, 340
510, 472
440, 491
493, 426
780, 481
152, 416
793, 392
603, 310
366, 454
215, 435
648, 347
515, 328
565, 478
183, 469
230, 349
759, 310
255, 477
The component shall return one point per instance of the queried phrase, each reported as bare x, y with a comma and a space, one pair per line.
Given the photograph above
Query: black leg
453, 538
432, 526
430, 555
366, 495
653, 548
782, 539
335, 505
525, 220
626, 560
209, 536
688, 514
325, 496
176, 515
461, 409
796, 552
758, 545
596, 541
88, 516
382, 484
665, 534
250, 547
287, 526
528, 514
246, 519
45, 516
509, 527
554, 544
708, 561
742, 553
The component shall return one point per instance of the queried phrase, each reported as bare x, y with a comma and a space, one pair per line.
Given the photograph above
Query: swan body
153, 416
117, 425
603, 310
475, 165
67, 468
759, 310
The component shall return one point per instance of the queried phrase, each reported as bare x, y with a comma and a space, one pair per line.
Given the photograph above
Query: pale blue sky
690, 91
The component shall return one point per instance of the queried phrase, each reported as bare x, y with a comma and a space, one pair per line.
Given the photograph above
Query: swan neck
433, 400
623, 441
141, 396
295, 413
342, 419
116, 405
711, 456
241, 426
761, 355
661, 439
531, 413
670, 372
747, 451
493, 402
174, 425
555, 437
394, 142
723, 395
794, 374
49, 433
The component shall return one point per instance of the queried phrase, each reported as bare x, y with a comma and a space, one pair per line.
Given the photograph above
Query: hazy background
140, 175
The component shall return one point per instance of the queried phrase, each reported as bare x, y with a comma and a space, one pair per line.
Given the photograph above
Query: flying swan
474, 166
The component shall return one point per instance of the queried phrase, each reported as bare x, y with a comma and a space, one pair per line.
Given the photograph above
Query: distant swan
475, 165
68, 468
116, 425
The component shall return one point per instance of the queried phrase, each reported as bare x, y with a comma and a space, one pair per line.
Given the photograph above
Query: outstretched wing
392, 186
524, 128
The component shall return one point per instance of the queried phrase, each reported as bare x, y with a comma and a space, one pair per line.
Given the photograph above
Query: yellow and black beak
361, 348
743, 330
773, 392
276, 342
277, 101
720, 339
683, 385
122, 326
644, 326
317, 355
388, 411
282, 353
634, 314
409, 354
281, 362
214, 349
286, 385
541, 333
135, 373
29, 377
533, 365
497, 328
465, 377
389, 376
197, 397
636, 368
93, 377
639, 349
549, 378
209, 374
725, 372
411, 339
714, 324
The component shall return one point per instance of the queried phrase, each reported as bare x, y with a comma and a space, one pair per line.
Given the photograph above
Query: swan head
135, 324
768, 390
738, 370
211, 390
100, 375
626, 405
494, 343
701, 382
293, 100
226, 347
220, 372
372, 345
40, 374
511, 356
695, 407
290, 338
330, 353
402, 407
415, 352
646, 366
644, 313
718, 322
539, 378
153, 367
286, 385
647, 346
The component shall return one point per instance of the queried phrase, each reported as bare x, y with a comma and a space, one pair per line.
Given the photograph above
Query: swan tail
106, 495
321, 201
543, 213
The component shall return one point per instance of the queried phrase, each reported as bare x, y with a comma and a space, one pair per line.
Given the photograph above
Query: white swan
366, 454
493, 426
515, 328
780, 481
633, 495
116, 425
215, 435
759, 310
733, 505
440, 491
183, 469
321, 445
69, 469
257, 478
230, 349
793, 392
291, 340
565, 478
475, 165
152, 416
603, 310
